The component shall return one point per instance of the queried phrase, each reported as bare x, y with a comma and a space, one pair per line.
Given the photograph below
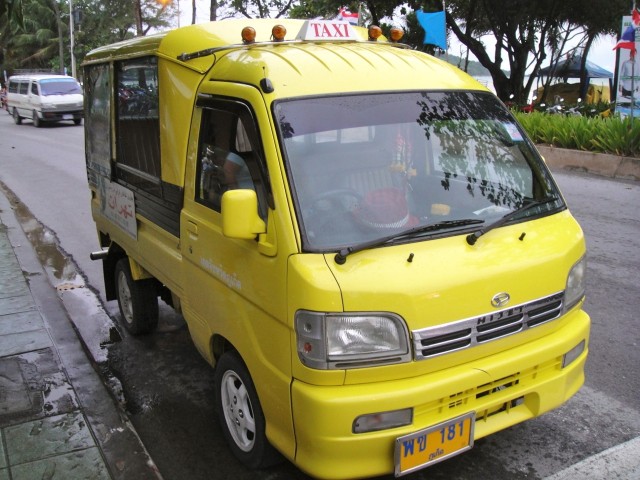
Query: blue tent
571, 69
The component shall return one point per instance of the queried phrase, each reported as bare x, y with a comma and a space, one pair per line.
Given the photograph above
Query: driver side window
228, 157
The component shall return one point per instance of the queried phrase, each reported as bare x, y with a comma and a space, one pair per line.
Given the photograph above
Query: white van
45, 98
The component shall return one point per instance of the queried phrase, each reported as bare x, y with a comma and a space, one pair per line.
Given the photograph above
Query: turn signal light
396, 34
248, 35
381, 421
374, 32
278, 33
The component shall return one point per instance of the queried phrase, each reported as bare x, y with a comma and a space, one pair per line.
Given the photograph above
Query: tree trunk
584, 79
137, 7
213, 10
56, 9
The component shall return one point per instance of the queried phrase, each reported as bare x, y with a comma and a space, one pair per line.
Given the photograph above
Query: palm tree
41, 38
10, 20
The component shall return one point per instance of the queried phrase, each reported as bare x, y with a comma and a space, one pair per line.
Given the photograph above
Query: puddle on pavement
45, 244
66, 279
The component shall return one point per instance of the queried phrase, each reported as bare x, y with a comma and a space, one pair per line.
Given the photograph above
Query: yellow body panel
245, 294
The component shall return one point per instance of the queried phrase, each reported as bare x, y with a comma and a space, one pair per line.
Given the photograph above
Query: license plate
67, 116
434, 444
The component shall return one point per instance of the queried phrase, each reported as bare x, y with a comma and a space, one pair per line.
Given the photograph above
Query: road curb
603, 164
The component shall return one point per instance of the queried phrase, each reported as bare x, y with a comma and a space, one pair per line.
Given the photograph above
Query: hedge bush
593, 134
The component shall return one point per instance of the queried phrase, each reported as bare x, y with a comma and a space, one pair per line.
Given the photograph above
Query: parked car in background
45, 98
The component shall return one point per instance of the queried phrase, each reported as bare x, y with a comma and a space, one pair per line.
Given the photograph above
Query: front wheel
137, 300
240, 413
36, 120
16, 116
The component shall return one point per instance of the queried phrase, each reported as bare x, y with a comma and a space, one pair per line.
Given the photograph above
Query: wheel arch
116, 252
219, 345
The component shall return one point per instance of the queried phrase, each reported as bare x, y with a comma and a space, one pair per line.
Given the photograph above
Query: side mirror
240, 217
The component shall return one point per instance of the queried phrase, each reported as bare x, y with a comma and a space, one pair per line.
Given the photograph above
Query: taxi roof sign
327, 30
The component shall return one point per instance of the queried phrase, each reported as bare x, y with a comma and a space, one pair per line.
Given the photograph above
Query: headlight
332, 341
574, 291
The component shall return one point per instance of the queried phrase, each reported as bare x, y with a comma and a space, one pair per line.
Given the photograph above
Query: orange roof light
396, 34
374, 32
278, 33
248, 35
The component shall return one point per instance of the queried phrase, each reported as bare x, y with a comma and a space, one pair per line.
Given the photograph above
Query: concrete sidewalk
57, 419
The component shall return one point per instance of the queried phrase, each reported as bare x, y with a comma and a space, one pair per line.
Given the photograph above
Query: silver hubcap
124, 296
238, 413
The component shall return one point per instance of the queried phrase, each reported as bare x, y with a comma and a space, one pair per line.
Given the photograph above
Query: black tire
36, 120
16, 116
240, 414
77, 121
137, 300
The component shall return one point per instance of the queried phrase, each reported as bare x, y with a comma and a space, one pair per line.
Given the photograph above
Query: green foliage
39, 37
597, 134
528, 34
35, 44
372, 12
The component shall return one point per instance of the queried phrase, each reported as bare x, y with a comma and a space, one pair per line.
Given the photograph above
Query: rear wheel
240, 413
137, 300
16, 116
36, 120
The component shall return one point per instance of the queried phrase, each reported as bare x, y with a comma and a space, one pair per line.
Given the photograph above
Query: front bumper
57, 116
502, 389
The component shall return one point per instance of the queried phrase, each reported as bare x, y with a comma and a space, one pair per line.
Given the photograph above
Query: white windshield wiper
472, 238
341, 256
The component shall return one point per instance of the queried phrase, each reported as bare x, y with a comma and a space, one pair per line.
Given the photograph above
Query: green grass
593, 134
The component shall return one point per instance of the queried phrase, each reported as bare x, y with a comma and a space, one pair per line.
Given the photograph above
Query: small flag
434, 25
628, 39
346, 15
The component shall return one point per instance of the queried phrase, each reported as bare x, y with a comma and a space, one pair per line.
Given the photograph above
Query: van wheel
240, 413
137, 300
16, 116
77, 121
36, 120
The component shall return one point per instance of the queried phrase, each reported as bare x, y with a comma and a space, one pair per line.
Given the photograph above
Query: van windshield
363, 167
59, 87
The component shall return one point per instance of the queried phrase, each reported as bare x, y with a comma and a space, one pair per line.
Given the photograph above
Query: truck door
235, 290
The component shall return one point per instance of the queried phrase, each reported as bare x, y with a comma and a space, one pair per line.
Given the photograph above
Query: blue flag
434, 25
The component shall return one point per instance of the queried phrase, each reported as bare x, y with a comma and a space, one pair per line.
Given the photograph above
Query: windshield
59, 87
363, 167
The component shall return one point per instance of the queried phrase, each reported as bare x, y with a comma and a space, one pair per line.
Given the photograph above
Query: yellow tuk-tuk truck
361, 238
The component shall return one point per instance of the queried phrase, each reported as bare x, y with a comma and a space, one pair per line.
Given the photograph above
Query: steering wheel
328, 215
335, 198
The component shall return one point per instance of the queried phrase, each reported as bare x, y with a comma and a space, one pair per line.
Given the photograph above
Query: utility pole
72, 43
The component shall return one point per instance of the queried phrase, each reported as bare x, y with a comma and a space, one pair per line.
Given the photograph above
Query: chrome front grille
65, 107
434, 341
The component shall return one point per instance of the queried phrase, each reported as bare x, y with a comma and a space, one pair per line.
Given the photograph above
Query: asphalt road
167, 389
